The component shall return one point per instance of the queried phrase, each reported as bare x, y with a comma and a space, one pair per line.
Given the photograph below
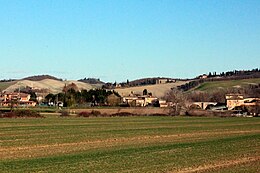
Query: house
204, 76
163, 103
235, 100
164, 81
130, 100
140, 101
16, 99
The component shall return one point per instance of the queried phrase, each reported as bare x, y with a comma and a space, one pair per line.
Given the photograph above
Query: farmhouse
21, 99
164, 81
142, 101
235, 100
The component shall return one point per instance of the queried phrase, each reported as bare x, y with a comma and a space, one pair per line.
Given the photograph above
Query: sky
116, 40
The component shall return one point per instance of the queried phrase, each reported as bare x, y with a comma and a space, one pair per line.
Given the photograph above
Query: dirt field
130, 144
158, 90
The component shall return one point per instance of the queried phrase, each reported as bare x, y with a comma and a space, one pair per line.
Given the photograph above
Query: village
240, 105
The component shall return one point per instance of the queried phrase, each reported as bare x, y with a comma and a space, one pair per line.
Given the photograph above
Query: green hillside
208, 86
4, 85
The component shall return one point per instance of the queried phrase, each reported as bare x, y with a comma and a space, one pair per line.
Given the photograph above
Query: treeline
7, 80
235, 73
71, 97
41, 77
138, 82
91, 81
190, 85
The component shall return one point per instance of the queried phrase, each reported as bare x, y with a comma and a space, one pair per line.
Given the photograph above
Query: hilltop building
164, 81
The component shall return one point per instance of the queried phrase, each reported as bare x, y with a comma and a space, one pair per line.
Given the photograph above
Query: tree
145, 92
178, 100
50, 98
33, 96
113, 100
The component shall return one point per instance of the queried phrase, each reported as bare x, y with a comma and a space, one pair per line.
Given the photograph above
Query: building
16, 99
204, 76
164, 81
139, 101
235, 100
163, 103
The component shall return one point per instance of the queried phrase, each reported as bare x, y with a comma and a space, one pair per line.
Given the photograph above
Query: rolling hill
51, 85
209, 86
4, 85
157, 90
41, 77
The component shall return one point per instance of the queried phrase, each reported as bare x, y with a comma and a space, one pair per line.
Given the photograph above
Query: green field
209, 86
4, 85
130, 144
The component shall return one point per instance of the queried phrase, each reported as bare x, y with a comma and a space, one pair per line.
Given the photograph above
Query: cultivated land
4, 85
130, 144
209, 86
157, 90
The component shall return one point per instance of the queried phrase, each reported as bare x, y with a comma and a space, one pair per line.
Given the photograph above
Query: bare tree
179, 101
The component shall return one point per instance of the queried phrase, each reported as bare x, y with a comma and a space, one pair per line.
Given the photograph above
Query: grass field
4, 85
208, 86
130, 144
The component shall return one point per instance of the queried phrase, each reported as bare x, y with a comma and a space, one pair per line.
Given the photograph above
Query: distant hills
203, 82
91, 81
41, 77
45, 85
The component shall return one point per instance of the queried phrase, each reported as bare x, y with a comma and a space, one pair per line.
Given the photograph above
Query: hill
157, 90
91, 81
50, 85
4, 85
148, 81
41, 77
209, 86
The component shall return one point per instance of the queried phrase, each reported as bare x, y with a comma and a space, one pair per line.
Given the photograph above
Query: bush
208, 113
122, 114
23, 113
64, 113
8, 115
157, 114
95, 113
84, 114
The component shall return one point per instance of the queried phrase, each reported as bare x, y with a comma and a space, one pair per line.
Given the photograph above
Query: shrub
27, 113
157, 114
22, 113
8, 115
84, 114
64, 113
122, 114
95, 113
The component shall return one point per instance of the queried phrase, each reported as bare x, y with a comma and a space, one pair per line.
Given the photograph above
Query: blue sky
115, 40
